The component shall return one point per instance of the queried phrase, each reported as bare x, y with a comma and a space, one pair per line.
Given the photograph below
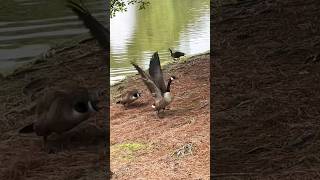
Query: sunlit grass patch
132, 146
128, 151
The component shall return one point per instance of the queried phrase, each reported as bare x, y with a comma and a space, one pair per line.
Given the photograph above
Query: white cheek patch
171, 78
91, 107
153, 106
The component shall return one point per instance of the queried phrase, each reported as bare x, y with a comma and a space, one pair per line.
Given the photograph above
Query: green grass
132, 147
128, 151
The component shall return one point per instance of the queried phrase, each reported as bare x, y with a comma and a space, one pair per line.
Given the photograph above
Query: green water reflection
179, 24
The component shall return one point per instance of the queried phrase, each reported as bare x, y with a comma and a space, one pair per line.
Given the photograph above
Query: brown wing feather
156, 72
145, 77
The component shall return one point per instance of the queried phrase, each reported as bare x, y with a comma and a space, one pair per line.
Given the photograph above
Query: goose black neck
168, 86
170, 51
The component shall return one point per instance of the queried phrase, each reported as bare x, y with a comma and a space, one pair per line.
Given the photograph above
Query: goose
156, 84
176, 54
129, 97
60, 110
97, 30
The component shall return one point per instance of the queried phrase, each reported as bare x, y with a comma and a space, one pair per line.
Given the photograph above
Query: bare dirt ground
175, 146
266, 91
80, 153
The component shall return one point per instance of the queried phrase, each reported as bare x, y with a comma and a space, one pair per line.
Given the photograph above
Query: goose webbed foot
159, 114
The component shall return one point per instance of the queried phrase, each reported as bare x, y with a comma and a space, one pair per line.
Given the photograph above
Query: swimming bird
97, 30
176, 54
156, 84
60, 110
129, 97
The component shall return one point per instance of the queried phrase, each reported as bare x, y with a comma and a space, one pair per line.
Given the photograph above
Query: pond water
28, 28
135, 35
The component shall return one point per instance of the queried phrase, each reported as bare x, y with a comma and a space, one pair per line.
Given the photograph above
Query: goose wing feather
97, 30
156, 72
145, 78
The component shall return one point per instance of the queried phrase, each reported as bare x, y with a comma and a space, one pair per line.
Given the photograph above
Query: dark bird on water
60, 110
176, 55
156, 84
97, 30
129, 97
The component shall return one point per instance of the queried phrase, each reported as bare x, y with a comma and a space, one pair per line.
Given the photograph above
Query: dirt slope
141, 144
79, 153
266, 90
175, 146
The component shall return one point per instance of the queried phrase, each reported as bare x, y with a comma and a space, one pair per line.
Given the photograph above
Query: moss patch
128, 151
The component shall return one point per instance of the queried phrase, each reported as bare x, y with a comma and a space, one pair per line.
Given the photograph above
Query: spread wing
150, 83
156, 72
146, 79
97, 30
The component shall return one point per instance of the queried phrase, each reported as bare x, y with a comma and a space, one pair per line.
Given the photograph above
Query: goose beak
93, 106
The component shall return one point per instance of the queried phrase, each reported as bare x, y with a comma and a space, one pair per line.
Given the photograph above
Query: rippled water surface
183, 25
30, 27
